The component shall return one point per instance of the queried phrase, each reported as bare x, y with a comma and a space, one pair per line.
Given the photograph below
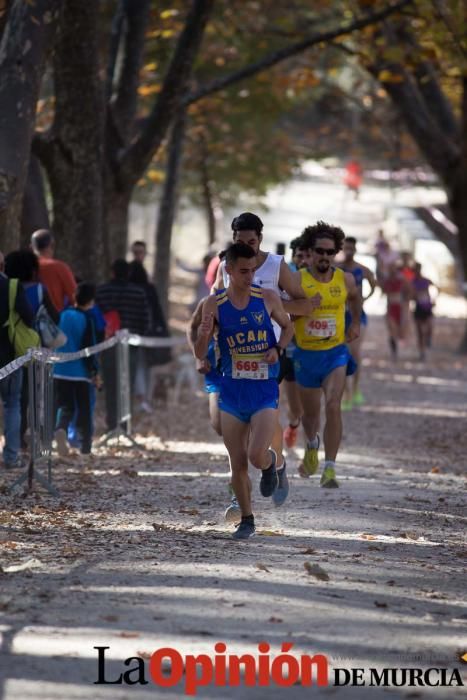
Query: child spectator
73, 379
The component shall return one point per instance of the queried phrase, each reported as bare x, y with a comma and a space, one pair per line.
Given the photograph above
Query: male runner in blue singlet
353, 396
249, 392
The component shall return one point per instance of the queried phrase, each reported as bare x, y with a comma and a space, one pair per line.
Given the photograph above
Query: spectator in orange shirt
56, 275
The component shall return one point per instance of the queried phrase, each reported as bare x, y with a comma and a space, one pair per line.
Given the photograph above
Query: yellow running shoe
346, 405
310, 459
328, 478
358, 399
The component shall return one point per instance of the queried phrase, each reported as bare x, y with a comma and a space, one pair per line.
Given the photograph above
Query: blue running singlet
248, 384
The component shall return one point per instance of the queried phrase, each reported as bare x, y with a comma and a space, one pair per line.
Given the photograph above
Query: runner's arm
277, 313
194, 324
206, 328
354, 302
302, 307
298, 305
290, 282
203, 366
219, 282
370, 278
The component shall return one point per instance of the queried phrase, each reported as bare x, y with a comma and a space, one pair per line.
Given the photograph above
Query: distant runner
353, 396
423, 312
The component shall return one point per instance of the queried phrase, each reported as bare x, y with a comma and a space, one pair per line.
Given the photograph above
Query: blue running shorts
212, 382
243, 398
313, 366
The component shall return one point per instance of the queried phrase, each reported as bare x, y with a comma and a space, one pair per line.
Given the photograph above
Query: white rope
11, 367
46, 355
52, 356
149, 342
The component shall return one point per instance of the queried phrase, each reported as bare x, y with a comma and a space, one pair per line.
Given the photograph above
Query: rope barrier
16, 364
40, 363
123, 336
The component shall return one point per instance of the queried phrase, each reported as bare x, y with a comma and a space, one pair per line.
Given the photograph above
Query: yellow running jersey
325, 328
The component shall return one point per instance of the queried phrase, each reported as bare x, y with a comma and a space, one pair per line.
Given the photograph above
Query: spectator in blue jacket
74, 379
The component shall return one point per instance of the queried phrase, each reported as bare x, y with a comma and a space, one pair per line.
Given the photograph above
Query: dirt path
135, 555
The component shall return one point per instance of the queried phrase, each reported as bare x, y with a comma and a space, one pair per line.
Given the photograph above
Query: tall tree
420, 61
27, 35
97, 147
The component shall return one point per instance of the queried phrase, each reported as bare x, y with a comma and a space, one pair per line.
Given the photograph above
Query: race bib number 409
321, 327
248, 367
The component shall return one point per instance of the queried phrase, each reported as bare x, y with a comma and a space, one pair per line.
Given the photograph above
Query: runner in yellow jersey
322, 359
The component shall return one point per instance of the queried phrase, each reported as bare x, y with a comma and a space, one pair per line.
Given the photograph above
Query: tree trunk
208, 196
458, 201
26, 37
117, 213
167, 212
77, 142
35, 214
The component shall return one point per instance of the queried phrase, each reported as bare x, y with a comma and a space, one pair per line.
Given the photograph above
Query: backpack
20, 335
51, 335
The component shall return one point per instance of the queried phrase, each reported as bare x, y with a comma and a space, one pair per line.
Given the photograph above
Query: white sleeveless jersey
266, 276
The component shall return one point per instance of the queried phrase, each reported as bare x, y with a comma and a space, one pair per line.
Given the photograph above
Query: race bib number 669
249, 367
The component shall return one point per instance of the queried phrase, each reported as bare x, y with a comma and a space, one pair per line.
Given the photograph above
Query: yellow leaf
156, 175
386, 76
167, 14
151, 66
146, 90
167, 33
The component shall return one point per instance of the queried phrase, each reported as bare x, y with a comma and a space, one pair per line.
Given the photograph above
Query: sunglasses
325, 251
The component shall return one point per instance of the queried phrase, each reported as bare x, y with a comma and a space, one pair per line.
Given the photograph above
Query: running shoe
328, 478
244, 531
358, 398
290, 435
233, 514
311, 459
269, 479
63, 448
282, 491
346, 405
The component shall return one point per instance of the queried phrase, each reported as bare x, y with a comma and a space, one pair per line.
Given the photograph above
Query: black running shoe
282, 491
244, 531
269, 479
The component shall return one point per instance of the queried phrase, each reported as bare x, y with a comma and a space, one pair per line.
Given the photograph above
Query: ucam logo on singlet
251, 341
258, 316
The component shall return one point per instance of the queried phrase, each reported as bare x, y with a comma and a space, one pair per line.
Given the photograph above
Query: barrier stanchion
41, 417
41, 407
123, 428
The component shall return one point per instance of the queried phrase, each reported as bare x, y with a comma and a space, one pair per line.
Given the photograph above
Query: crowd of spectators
80, 315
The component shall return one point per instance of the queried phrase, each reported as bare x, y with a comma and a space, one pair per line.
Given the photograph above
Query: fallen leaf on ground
365, 536
189, 511
262, 567
409, 535
316, 571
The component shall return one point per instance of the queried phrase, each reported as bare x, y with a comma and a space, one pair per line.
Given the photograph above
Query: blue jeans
10, 391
